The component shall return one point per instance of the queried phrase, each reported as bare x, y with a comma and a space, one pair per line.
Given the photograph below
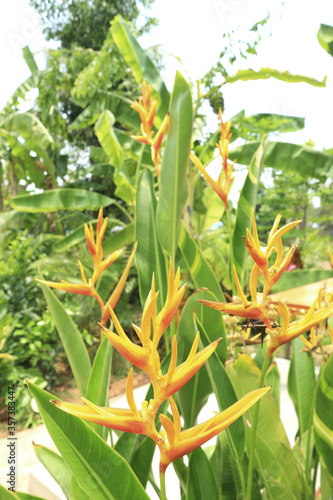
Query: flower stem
255, 425
162, 486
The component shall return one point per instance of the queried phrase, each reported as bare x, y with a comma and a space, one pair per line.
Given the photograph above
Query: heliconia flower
177, 376
146, 356
176, 444
254, 309
260, 255
172, 303
82, 289
225, 180
290, 331
314, 340
147, 111
95, 246
128, 420
96, 251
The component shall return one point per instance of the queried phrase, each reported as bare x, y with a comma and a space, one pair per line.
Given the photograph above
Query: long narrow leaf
273, 457
98, 469
173, 190
301, 384
140, 63
149, 255
57, 467
201, 273
6, 494
71, 339
60, 199
225, 396
323, 416
99, 380
287, 157
247, 200
264, 73
108, 139
201, 483
193, 395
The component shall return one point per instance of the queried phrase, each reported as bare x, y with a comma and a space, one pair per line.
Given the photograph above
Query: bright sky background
192, 30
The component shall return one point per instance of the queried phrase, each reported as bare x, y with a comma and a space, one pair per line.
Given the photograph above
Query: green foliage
85, 24
84, 102
325, 38
27, 332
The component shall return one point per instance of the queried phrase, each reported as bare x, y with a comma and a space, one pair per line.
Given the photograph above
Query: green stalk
162, 486
255, 425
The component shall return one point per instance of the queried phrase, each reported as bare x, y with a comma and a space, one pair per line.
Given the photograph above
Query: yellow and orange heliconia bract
226, 178
87, 287
171, 441
257, 307
147, 111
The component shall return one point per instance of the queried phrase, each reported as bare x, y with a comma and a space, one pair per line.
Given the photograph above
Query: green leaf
29, 59
273, 379
301, 277
229, 470
57, 467
212, 212
173, 186
325, 38
273, 457
119, 239
119, 106
193, 395
201, 273
133, 148
201, 483
149, 256
301, 384
247, 200
141, 65
108, 139
323, 416
264, 73
287, 157
326, 483
225, 396
60, 199
98, 469
78, 492
25, 87
99, 381
27, 126
71, 339
5, 494
271, 122
125, 189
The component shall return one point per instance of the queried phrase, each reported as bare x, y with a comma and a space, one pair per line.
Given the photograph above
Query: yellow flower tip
169, 428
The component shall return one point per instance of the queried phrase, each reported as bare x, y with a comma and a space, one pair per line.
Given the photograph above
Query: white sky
193, 31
